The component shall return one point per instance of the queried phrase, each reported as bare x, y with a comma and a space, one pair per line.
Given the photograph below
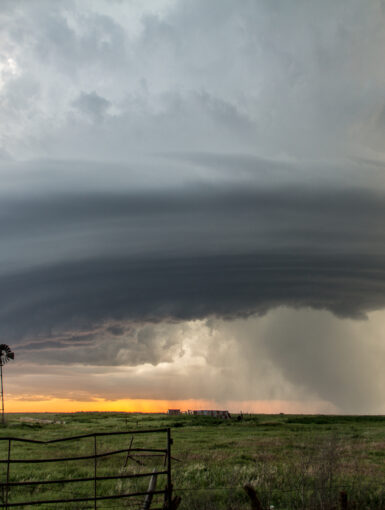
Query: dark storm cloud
81, 295
200, 250
286, 215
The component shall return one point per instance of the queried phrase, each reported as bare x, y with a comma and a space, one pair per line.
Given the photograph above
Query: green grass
294, 462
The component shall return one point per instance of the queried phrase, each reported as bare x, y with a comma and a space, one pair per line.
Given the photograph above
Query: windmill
5, 355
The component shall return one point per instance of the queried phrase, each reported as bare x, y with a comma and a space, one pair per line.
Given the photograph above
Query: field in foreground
293, 462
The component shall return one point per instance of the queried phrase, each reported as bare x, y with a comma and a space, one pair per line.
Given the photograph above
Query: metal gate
131, 464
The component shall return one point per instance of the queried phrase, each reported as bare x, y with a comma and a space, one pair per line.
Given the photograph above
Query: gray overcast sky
193, 185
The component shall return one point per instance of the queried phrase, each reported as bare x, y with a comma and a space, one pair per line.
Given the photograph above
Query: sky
192, 204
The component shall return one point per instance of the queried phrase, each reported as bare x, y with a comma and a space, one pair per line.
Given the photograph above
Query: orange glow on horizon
56, 405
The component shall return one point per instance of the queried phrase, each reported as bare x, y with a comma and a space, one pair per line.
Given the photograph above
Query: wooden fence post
8, 469
95, 470
169, 484
174, 504
128, 451
343, 500
150, 490
255, 503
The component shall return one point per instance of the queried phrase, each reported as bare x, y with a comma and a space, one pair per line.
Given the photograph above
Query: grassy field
293, 462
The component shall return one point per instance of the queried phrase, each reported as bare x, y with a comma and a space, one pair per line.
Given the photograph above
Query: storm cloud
84, 294
198, 251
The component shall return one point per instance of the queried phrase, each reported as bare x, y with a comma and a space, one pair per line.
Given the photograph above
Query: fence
96, 480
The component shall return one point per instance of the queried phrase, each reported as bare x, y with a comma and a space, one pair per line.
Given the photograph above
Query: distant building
174, 412
212, 413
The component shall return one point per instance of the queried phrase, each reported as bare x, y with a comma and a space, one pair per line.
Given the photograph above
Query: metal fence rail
131, 453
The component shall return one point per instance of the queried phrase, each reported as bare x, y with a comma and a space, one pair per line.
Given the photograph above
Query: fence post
128, 451
95, 460
169, 486
8, 469
255, 503
150, 490
343, 500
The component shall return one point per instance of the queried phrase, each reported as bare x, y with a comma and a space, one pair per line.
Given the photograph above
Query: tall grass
293, 462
